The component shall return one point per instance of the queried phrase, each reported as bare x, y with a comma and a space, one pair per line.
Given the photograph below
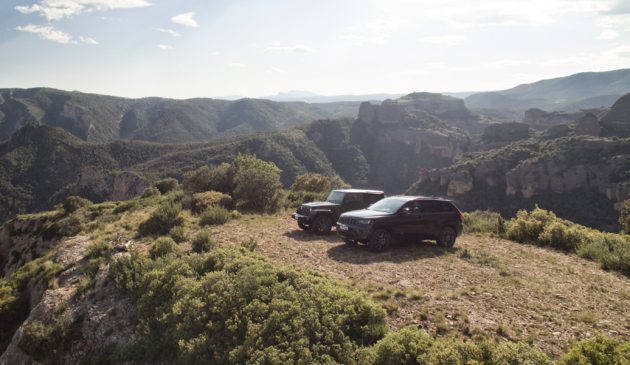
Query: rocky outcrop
617, 121
91, 322
561, 174
501, 134
79, 118
98, 186
541, 120
587, 125
447, 144
418, 105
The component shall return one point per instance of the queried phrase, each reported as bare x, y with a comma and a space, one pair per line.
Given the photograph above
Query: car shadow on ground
400, 251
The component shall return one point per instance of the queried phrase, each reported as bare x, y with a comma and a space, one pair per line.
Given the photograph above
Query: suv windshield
335, 197
388, 205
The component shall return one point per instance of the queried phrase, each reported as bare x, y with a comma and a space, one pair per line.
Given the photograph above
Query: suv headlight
364, 221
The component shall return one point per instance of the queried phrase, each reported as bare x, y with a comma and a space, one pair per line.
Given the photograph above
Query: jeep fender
327, 212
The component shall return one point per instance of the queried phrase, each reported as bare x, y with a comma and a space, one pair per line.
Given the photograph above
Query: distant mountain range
579, 91
330, 99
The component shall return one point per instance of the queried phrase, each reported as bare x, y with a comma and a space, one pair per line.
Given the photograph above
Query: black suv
320, 216
402, 217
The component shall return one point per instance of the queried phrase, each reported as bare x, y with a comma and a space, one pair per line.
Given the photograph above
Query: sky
193, 48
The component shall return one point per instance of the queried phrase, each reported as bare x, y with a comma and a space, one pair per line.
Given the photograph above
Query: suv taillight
461, 216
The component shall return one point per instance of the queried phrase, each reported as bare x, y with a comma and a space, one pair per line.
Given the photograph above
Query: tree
624, 220
258, 190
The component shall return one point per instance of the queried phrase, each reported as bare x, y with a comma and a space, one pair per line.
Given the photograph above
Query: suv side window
430, 207
353, 198
447, 207
414, 207
372, 198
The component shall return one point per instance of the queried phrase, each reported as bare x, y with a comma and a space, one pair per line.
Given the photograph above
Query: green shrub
74, 203
624, 219
98, 249
235, 214
161, 220
206, 178
403, 347
166, 185
481, 222
203, 242
237, 307
316, 183
519, 353
214, 215
149, 192
72, 225
39, 341
127, 206
258, 191
102, 209
597, 351
294, 199
174, 197
527, 227
209, 198
178, 234
162, 247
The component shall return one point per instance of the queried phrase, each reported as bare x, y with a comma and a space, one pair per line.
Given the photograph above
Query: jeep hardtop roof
360, 191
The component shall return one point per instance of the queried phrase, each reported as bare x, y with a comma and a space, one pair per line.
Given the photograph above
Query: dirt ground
482, 285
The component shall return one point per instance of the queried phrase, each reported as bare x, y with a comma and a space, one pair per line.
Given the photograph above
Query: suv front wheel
380, 240
322, 225
447, 237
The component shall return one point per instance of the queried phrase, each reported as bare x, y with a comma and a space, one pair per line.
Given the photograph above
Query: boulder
587, 125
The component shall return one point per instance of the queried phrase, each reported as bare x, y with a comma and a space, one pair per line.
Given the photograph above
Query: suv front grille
346, 220
304, 210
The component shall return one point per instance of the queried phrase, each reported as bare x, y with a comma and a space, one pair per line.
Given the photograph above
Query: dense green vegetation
543, 228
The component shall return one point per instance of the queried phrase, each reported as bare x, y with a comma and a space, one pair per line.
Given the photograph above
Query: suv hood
365, 213
320, 204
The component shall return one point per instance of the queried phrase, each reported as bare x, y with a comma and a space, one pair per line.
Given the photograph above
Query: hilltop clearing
485, 291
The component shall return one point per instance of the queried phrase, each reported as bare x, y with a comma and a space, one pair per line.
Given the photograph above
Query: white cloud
608, 34
58, 9
515, 13
360, 39
214, 53
393, 22
277, 48
88, 40
618, 57
48, 33
506, 63
185, 19
449, 40
275, 71
164, 46
237, 65
171, 32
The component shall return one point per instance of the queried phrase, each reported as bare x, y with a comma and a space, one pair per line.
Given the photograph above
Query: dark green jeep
321, 216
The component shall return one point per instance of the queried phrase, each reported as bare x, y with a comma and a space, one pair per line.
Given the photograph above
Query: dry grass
483, 285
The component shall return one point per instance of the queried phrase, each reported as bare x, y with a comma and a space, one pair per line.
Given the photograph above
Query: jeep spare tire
322, 225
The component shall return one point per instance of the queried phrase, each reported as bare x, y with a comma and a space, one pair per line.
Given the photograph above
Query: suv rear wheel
322, 225
447, 237
380, 240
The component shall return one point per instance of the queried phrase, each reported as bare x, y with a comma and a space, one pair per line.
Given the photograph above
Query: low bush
40, 341
316, 183
162, 247
209, 198
73, 224
98, 249
294, 199
161, 220
214, 215
74, 203
127, 206
597, 350
166, 185
258, 191
481, 221
210, 178
149, 192
178, 234
237, 307
203, 242
102, 209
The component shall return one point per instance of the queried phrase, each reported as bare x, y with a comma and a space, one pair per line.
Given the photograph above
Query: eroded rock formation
541, 120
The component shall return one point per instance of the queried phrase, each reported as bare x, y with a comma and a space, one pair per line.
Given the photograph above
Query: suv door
431, 214
409, 223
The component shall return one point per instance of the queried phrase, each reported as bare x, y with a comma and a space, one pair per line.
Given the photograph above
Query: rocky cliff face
617, 121
501, 134
541, 120
98, 186
90, 322
401, 136
79, 117
524, 174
